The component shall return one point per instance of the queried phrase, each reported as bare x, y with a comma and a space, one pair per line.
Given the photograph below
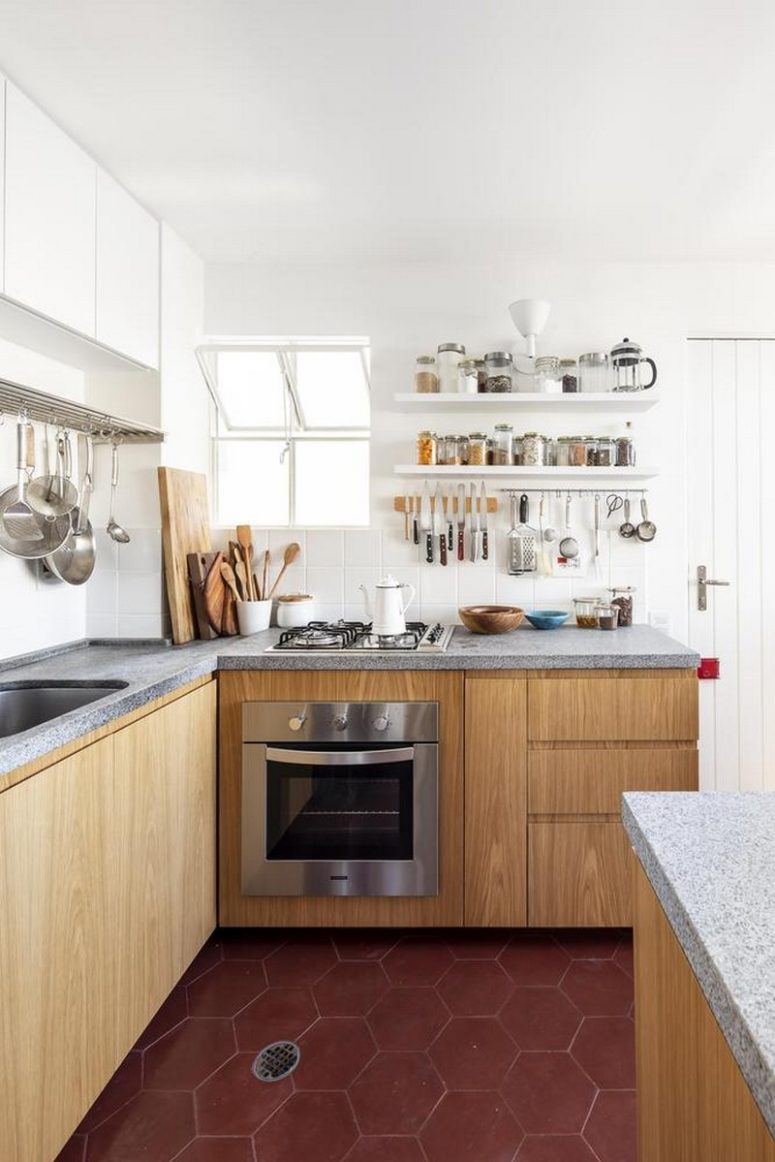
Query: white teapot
389, 607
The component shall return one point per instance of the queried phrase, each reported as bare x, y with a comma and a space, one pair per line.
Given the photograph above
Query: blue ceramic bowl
547, 618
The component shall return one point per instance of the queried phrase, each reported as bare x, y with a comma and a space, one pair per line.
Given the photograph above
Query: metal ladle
646, 530
569, 546
627, 528
114, 529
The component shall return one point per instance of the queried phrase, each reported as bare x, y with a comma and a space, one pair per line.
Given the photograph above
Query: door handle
703, 581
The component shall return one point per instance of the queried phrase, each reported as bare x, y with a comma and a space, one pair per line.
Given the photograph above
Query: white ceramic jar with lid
448, 359
296, 609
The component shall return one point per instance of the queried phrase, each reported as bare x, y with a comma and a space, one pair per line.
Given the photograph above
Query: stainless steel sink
27, 704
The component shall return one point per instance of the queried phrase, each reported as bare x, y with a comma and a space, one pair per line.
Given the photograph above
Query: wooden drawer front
578, 875
591, 782
612, 709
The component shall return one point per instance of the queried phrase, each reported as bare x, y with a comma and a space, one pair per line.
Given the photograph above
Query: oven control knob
340, 722
297, 722
382, 722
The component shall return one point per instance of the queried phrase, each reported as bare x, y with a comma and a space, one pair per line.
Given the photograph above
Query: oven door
340, 821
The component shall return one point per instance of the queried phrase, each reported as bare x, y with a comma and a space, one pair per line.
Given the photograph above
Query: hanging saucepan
74, 561
54, 494
24, 532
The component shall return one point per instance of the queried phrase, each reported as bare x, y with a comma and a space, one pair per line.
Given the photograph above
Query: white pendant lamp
529, 317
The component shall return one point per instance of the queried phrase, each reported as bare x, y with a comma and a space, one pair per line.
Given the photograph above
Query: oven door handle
336, 758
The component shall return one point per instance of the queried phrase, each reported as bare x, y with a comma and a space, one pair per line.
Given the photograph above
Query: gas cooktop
356, 636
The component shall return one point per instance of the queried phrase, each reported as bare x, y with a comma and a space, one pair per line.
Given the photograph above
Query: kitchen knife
407, 516
415, 521
483, 519
441, 510
426, 523
450, 525
471, 524
461, 522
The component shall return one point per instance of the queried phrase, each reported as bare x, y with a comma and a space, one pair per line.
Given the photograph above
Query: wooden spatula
245, 542
228, 575
289, 556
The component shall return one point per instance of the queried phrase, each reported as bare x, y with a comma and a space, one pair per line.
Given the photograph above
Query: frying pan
74, 560
23, 532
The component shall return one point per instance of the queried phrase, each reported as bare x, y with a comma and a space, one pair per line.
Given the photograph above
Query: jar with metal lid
463, 446
577, 452
562, 452
450, 450
585, 609
550, 452
622, 596
503, 445
481, 374
547, 372
425, 378
533, 449
468, 377
569, 375
625, 452
448, 359
500, 371
594, 372
607, 615
606, 453
427, 449
477, 449
516, 448
590, 443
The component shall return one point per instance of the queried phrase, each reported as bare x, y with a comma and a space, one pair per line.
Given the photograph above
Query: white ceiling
349, 129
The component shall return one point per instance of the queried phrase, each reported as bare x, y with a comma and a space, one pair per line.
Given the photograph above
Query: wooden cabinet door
127, 274
50, 204
495, 802
579, 874
645, 708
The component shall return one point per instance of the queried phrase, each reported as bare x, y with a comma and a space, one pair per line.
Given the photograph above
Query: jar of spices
450, 451
533, 449
462, 443
577, 452
594, 372
590, 443
607, 615
500, 371
503, 445
623, 598
562, 452
606, 453
468, 378
569, 374
625, 450
425, 378
448, 358
586, 612
477, 449
427, 449
481, 374
550, 452
516, 449
547, 372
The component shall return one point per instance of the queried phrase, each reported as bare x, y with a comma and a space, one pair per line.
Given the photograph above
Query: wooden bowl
491, 618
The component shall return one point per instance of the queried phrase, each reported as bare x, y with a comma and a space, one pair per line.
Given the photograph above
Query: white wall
409, 309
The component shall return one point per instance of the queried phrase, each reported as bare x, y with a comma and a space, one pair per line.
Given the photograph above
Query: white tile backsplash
353, 579
362, 548
144, 625
139, 593
326, 584
142, 554
325, 548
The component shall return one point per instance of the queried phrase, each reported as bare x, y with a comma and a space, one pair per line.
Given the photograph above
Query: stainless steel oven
340, 799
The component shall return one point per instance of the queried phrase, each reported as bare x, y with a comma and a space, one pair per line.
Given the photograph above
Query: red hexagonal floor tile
75, 1149
123, 1085
313, 1127
250, 943
395, 1093
534, 959
218, 1150
234, 1102
548, 1093
350, 989
610, 1130
477, 945
605, 1048
211, 954
383, 1149
333, 1053
473, 1053
588, 943
475, 988
168, 1015
540, 1018
624, 956
301, 961
188, 1054
153, 1126
417, 960
555, 1148
278, 1014
471, 1127
598, 988
408, 1018
362, 944
226, 988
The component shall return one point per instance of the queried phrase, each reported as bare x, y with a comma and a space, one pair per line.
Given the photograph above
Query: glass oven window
340, 812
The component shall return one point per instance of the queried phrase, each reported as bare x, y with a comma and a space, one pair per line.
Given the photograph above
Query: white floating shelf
624, 401
528, 473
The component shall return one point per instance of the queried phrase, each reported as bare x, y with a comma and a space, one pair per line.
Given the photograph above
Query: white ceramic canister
448, 359
253, 616
296, 609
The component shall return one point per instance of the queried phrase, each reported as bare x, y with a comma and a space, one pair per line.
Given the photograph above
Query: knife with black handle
438, 526
426, 523
483, 518
461, 522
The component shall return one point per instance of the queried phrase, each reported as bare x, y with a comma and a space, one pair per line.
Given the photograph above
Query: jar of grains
606, 453
622, 596
562, 452
586, 612
625, 452
577, 452
500, 371
448, 358
425, 378
590, 443
427, 449
594, 374
477, 449
533, 449
468, 378
569, 374
516, 449
607, 615
450, 450
481, 374
503, 445
547, 371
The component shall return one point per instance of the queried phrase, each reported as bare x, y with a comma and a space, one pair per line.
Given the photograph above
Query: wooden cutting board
185, 528
199, 565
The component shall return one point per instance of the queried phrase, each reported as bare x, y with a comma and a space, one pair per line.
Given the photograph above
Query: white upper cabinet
50, 207
2, 181
127, 274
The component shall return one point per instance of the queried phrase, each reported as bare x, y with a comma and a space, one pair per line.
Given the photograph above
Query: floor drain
276, 1061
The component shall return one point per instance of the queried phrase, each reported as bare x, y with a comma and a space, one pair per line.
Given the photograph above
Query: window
290, 431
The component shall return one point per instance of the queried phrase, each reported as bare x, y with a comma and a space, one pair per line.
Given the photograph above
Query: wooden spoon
265, 578
289, 556
245, 542
228, 575
242, 574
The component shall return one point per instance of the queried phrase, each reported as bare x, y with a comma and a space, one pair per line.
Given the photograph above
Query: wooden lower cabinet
107, 891
694, 1104
579, 874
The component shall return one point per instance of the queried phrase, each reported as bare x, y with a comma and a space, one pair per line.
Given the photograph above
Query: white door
731, 511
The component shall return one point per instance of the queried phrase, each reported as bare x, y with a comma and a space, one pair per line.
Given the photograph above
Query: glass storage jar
622, 596
569, 375
594, 372
481, 374
547, 373
590, 443
468, 378
448, 359
577, 452
427, 449
607, 615
550, 452
477, 449
625, 452
516, 448
450, 450
606, 453
533, 449
500, 371
425, 378
562, 452
585, 609
503, 445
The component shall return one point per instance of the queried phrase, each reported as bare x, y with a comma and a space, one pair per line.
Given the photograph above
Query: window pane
250, 388
332, 482
253, 486
332, 389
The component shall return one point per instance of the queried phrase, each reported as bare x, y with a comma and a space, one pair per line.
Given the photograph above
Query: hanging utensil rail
44, 408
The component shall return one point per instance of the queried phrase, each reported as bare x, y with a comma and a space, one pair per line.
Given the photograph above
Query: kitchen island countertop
153, 669
710, 858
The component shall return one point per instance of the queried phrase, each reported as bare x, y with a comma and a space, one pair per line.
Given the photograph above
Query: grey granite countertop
152, 669
711, 861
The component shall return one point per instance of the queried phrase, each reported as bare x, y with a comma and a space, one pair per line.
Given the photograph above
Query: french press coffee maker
628, 361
